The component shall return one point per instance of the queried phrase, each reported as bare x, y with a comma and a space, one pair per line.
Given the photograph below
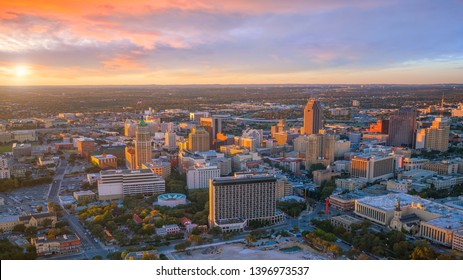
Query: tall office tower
402, 127
130, 128
170, 140
235, 201
320, 149
143, 153
212, 125
313, 117
198, 140
300, 143
437, 136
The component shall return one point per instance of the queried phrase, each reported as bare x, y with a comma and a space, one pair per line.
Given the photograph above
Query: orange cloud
122, 62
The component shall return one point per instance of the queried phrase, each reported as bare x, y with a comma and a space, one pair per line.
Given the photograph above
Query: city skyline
234, 42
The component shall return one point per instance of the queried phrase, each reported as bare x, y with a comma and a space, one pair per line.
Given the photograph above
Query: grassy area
5, 148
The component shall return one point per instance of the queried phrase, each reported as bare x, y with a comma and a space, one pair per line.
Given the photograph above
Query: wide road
90, 246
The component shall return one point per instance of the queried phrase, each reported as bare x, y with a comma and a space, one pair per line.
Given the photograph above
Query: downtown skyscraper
313, 117
402, 127
143, 153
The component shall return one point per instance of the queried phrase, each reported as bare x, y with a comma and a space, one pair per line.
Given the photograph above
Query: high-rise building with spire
313, 117
143, 153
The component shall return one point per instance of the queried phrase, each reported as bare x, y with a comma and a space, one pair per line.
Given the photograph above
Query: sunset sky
56, 42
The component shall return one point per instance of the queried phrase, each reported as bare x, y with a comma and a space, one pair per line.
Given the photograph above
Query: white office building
198, 177
115, 184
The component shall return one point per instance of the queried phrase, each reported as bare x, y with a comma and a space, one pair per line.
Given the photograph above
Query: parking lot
24, 200
71, 184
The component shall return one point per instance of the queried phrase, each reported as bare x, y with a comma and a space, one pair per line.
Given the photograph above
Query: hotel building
234, 201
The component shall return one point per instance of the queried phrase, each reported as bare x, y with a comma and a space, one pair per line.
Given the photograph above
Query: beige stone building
345, 221
437, 136
198, 140
429, 220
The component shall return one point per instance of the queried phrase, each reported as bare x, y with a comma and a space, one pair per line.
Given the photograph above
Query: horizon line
252, 84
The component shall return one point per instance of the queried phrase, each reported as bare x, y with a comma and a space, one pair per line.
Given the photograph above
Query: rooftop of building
87, 192
104, 156
388, 203
369, 156
170, 226
452, 221
37, 216
412, 160
419, 173
347, 219
156, 164
9, 219
60, 238
247, 178
126, 172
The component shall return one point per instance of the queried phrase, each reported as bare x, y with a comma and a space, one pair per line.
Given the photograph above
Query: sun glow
21, 71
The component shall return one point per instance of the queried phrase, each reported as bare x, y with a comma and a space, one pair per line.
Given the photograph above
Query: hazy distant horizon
239, 85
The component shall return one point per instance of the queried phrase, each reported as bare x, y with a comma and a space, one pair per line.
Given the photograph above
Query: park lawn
5, 148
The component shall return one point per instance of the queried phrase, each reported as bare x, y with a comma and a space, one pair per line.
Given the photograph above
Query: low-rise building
104, 161
414, 163
321, 176
87, 195
32, 220
168, 229
161, 168
343, 202
444, 182
61, 245
457, 243
351, 184
40, 220
399, 185
345, 221
21, 150
442, 167
429, 220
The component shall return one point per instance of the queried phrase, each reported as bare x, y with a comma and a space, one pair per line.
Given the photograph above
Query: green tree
40, 208
47, 222
149, 256
19, 228
422, 251
250, 239
181, 246
215, 231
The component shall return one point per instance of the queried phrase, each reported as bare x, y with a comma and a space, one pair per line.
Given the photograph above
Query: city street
90, 246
